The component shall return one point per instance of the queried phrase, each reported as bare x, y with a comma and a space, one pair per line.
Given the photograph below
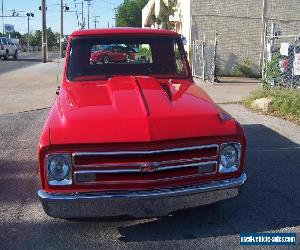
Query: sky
102, 8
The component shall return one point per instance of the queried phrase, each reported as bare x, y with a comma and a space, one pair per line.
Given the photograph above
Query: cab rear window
97, 58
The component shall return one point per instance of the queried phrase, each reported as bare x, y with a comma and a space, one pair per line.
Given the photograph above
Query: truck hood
134, 109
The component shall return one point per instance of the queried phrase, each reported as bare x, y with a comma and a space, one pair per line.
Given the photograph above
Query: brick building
238, 24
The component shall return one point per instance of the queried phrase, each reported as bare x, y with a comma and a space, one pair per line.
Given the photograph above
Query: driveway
269, 201
230, 89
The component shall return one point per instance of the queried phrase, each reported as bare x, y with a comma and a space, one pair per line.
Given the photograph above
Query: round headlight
58, 167
229, 156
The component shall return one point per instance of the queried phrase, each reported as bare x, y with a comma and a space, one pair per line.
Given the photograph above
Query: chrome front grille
146, 165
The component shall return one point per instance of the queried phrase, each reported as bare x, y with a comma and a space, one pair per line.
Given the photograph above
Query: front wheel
106, 59
6, 56
127, 58
16, 55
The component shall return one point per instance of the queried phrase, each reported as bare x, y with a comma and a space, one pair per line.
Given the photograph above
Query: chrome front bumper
150, 203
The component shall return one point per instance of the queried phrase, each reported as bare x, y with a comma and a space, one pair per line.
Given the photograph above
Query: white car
8, 48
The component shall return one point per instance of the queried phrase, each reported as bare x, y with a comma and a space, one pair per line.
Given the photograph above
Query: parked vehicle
8, 48
112, 53
16, 41
137, 138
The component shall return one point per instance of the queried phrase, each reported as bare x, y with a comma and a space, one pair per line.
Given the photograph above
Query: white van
8, 48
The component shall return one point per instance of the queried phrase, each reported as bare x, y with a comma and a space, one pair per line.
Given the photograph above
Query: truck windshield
101, 57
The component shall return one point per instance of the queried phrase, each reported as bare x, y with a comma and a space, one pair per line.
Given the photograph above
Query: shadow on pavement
29, 60
240, 80
270, 199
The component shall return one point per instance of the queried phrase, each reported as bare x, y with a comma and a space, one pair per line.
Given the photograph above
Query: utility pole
61, 36
28, 30
28, 39
82, 24
96, 21
89, 14
89, 4
82, 16
263, 39
44, 32
2, 11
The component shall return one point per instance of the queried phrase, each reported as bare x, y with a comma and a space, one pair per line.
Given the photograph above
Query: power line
77, 16
89, 5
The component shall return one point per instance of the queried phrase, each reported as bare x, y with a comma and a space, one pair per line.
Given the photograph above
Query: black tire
127, 58
105, 59
16, 55
6, 55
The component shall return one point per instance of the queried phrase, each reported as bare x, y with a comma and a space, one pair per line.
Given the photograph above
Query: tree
37, 39
164, 13
57, 37
129, 13
15, 34
23, 39
51, 39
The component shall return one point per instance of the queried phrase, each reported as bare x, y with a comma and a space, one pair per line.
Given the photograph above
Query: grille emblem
149, 167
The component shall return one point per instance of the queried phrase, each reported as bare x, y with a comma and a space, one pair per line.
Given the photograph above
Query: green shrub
245, 69
272, 70
144, 52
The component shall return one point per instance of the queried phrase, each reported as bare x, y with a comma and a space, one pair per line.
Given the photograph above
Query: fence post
193, 58
263, 34
273, 30
213, 68
263, 65
203, 58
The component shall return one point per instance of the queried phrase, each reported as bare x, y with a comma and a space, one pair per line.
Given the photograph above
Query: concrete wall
239, 26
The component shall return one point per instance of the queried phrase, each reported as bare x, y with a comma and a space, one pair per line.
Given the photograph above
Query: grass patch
285, 102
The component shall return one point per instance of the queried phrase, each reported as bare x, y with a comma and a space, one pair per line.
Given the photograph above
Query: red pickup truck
135, 137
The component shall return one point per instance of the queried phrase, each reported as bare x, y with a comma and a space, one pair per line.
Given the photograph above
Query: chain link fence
281, 66
240, 28
204, 59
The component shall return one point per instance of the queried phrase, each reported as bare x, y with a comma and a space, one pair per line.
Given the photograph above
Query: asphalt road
269, 202
24, 60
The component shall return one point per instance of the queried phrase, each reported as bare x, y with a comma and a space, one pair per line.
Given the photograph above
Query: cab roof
124, 31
